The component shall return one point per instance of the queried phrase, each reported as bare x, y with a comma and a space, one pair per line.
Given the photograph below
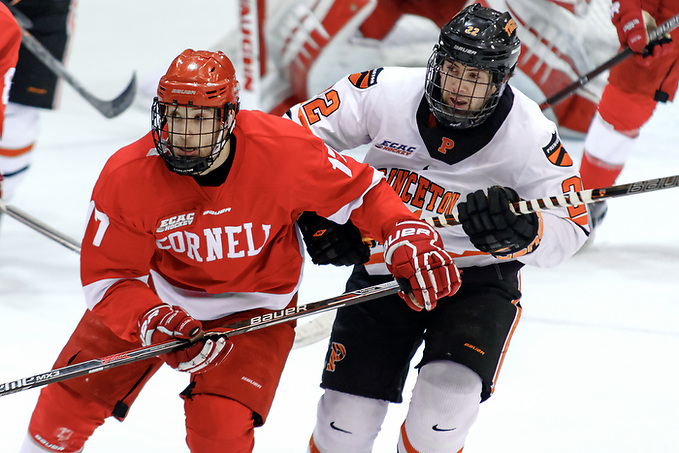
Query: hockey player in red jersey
453, 136
634, 88
10, 40
193, 227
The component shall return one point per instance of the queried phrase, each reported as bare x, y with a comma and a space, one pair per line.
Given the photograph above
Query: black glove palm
492, 227
328, 242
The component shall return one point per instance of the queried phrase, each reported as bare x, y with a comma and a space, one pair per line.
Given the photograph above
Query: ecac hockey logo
393, 147
337, 353
176, 221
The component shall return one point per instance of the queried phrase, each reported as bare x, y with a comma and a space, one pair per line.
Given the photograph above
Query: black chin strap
217, 176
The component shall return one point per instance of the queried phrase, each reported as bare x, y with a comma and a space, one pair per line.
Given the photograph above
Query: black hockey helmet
476, 37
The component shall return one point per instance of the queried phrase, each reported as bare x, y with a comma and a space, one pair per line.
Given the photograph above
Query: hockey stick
313, 331
237, 328
572, 198
523, 207
39, 226
310, 332
22, 20
305, 334
319, 328
666, 27
109, 109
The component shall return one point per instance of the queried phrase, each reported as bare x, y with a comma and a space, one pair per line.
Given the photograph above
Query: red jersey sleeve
320, 179
116, 256
340, 188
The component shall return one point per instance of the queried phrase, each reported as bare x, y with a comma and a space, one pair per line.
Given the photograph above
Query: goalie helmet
195, 110
477, 38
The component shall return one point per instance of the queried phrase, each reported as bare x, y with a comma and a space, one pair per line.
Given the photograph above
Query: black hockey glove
493, 228
328, 242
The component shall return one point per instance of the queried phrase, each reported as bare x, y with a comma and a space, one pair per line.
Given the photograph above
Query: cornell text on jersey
238, 241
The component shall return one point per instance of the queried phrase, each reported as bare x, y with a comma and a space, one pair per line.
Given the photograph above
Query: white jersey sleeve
433, 168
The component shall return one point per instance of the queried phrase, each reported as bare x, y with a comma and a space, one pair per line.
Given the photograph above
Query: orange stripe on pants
15, 152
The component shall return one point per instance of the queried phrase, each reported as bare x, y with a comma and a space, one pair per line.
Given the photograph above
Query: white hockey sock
22, 125
19, 133
347, 422
444, 406
606, 144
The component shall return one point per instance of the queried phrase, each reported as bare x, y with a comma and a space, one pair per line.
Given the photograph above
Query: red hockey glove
632, 24
629, 22
164, 323
414, 252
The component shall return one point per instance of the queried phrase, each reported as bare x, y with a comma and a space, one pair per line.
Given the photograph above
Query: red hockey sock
596, 173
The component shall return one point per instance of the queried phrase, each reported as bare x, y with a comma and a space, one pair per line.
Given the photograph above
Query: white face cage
461, 96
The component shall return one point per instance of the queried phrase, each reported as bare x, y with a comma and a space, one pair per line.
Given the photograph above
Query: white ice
591, 367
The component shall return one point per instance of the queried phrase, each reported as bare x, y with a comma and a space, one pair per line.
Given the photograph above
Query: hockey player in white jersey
452, 136
292, 49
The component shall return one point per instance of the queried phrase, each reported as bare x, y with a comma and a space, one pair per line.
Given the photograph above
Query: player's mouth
459, 103
186, 152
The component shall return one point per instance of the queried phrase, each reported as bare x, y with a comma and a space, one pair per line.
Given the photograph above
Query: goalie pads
324, 42
299, 33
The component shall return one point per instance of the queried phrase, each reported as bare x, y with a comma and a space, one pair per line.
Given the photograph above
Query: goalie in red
293, 49
193, 227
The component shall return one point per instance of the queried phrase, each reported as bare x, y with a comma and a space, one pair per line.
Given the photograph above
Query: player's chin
458, 108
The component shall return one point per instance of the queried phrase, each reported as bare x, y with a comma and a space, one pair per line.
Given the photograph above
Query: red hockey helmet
195, 80
200, 78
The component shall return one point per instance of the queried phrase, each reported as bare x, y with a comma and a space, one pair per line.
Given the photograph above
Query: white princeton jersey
433, 168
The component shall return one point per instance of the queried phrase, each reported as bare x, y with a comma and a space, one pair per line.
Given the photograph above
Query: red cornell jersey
10, 40
219, 250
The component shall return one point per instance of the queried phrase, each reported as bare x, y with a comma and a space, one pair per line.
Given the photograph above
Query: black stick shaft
248, 325
109, 109
573, 198
666, 27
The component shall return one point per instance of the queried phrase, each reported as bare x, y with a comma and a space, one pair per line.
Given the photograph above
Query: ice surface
591, 367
